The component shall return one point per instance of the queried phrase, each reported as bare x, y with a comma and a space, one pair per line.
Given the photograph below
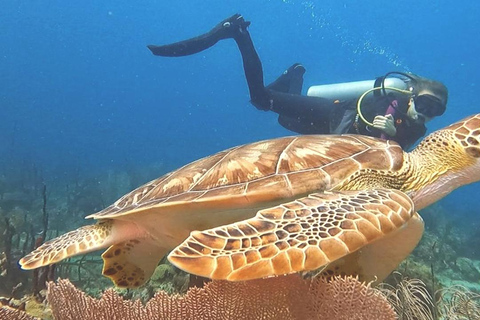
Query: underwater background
87, 111
79, 90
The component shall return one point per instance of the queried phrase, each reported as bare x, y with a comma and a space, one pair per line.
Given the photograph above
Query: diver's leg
289, 105
223, 30
302, 114
290, 81
294, 105
253, 69
302, 125
262, 97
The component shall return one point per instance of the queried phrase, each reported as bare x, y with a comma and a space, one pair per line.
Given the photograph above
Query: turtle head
447, 159
465, 134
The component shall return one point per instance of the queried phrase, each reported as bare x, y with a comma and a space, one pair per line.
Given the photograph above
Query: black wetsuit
298, 113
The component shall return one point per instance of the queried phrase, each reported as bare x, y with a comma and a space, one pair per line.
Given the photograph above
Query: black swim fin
290, 81
228, 28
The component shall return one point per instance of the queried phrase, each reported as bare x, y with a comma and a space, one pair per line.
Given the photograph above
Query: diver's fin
225, 29
83, 240
131, 263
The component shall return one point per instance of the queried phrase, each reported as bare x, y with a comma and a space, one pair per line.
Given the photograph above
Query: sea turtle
346, 203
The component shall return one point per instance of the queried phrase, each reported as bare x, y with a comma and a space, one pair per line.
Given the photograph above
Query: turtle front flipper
304, 235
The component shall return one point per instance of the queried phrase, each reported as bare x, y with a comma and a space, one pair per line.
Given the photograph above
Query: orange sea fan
285, 297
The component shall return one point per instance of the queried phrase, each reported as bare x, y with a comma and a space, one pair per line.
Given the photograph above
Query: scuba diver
395, 106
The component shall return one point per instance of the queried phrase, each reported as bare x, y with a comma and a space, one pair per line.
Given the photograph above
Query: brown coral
285, 297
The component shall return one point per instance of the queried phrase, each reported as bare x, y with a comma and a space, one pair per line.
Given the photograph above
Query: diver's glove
228, 28
385, 124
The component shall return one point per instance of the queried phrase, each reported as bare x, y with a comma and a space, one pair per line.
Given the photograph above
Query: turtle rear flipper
131, 263
301, 235
82, 240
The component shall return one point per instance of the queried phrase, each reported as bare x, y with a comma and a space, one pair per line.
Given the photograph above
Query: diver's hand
385, 124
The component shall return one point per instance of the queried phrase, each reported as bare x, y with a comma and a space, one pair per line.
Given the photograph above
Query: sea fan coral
7, 313
286, 297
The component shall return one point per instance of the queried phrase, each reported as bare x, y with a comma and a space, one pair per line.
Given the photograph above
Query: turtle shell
261, 174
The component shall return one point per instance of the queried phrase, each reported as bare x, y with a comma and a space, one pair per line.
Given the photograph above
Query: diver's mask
429, 105
414, 114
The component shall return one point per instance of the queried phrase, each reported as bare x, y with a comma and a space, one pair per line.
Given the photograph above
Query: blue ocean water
78, 87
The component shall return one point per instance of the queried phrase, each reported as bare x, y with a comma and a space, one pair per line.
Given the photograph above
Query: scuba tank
352, 90
364, 90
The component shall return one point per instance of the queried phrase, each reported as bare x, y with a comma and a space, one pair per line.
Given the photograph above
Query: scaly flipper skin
301, 235
83, 240
131, 263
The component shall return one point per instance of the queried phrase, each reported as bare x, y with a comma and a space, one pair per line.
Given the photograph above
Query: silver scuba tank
352, 90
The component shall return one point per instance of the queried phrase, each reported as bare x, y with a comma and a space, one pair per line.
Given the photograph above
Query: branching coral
287, 297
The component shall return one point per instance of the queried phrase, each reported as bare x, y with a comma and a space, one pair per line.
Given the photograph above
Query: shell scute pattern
278, 182
306, 150
341, 168
303, 181
165, 187
286, 166
376, 159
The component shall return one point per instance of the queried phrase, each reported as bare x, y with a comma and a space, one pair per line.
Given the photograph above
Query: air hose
359, 103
